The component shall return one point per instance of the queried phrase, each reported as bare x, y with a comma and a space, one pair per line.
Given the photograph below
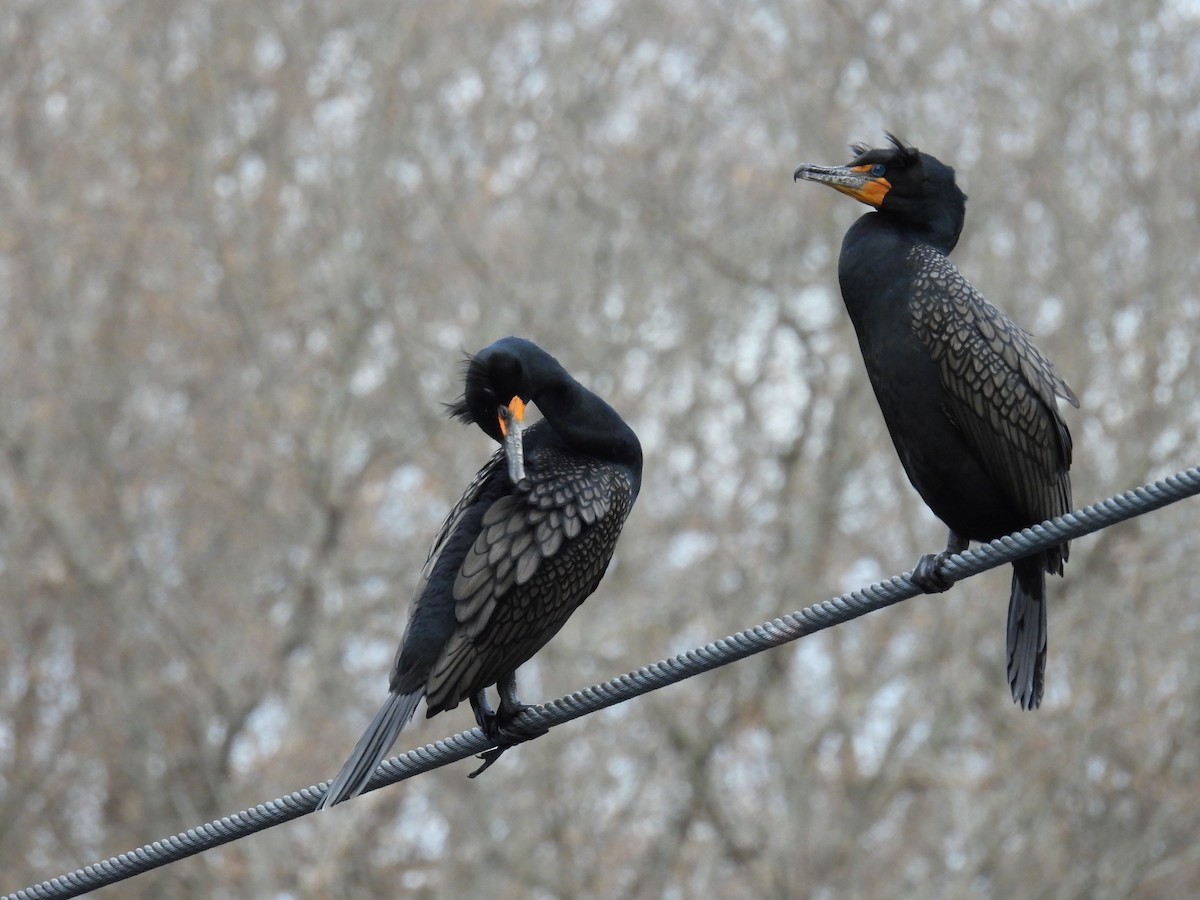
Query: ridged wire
719, 653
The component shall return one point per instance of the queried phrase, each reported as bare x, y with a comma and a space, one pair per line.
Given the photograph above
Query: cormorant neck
586, 423
941, 231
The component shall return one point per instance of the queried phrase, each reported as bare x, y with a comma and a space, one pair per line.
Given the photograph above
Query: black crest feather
458, 409
900, 153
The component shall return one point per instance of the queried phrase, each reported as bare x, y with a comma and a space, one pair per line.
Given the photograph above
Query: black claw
926, 576
488, 758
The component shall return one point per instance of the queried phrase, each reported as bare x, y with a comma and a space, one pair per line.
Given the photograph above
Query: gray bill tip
514, 448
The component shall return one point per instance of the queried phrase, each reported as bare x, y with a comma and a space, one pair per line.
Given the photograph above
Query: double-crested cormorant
527, 543
968, 399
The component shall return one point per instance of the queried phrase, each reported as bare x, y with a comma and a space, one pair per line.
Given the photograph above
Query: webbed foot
926, 576
500, 726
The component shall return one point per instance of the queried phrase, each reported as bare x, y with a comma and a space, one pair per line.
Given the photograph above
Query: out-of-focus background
243, 248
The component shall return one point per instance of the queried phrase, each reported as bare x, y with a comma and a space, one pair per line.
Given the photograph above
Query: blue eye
878, 170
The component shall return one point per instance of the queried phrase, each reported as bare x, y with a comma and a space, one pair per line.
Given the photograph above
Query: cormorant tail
1027, 631
372, 748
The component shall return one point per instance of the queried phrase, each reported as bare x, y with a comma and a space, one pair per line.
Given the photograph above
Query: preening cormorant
968, 399
527, 543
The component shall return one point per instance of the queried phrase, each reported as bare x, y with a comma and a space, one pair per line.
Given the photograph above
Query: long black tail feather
1027, 631
372, 748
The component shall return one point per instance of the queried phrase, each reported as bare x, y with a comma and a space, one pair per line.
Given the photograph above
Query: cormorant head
497, 384
901, 181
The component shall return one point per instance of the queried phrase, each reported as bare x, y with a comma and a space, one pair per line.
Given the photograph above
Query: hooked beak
511, 418
854, 181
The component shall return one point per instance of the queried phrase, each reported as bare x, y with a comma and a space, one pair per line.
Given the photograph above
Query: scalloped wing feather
542, 550
1000, 389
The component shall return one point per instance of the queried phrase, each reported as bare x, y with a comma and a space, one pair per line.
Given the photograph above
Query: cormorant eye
878, 170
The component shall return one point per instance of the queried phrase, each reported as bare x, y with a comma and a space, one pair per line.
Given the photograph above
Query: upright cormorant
524, 547
968, 399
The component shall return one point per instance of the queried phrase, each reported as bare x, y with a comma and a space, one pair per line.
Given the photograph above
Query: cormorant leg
925, 574
485, 716
500, 729
511, 707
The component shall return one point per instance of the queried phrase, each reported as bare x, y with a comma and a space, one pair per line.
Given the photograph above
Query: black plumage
520, 551
969, 401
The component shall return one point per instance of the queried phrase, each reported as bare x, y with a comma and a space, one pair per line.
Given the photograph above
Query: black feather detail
899, 154
458, 409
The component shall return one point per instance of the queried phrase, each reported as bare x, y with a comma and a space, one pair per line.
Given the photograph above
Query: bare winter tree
243, 249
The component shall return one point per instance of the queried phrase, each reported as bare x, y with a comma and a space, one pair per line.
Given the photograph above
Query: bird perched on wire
528, 542
969, 401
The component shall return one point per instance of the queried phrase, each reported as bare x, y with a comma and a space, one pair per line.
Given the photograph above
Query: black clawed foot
926, 576
502, 729
500, 726
508, 732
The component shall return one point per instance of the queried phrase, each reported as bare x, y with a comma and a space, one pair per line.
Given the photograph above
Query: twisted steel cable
782, 630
